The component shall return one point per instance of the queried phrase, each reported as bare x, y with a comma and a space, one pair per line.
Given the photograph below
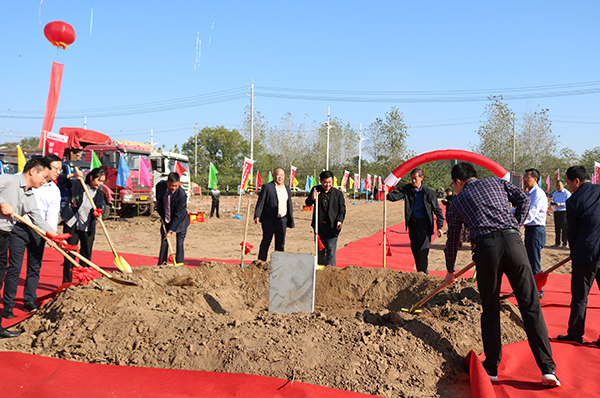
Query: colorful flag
296, 182
212, 176
368, 187
597, 171
292, 176
258, 182
1, 167
548, 184
51, 102
351, 183
356, 182
308, 185
55, 144
362, 185
345, 180
313, 182
145, 170
246, 171
248, 181
335, 182
123, 173
270, 177
95, 162
179, 169
557, 174
20, 159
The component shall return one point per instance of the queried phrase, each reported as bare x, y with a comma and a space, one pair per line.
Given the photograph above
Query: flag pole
384, 230
316, 212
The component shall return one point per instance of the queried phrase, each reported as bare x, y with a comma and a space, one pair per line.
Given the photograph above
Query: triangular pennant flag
123, 173
296, 182
258, 181
270, 177
95, 162
351, 183
307, 187
321, 245
212, 176
179, 169
20, 159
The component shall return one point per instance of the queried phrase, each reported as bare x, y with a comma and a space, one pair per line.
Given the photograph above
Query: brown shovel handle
440, 287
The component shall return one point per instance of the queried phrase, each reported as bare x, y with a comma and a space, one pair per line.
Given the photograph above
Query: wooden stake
245, 233
384, 230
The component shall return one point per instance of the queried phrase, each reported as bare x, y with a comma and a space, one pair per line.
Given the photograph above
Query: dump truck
164, 162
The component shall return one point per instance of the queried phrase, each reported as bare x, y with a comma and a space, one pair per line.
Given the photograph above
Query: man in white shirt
24, 238
535, 223
559, 199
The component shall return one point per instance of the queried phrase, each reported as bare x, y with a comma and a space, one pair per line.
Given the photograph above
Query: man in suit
419, 206
332, 211
274, 211
171, 204
583, 225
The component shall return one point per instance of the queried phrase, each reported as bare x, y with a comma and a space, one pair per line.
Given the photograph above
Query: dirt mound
215, 318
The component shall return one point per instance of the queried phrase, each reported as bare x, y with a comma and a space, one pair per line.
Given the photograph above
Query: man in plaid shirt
484, 207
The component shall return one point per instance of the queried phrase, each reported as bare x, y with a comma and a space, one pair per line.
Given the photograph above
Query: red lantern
60, 34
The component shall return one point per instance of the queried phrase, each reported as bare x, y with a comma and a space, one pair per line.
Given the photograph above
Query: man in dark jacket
274, 211
332, 211
419, 206
583, 225
171, 204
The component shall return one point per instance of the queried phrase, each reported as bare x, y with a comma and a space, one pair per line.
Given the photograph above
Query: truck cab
164, 162
134, 198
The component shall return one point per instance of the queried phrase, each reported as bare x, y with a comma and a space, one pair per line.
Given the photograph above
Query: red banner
246, 171
356, 182
368, 184
597, 172
292, 175
55, 144
52, 102
345, 180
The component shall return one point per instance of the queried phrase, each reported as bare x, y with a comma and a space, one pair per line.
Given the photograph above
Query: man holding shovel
171, 204
16, 197
484, 207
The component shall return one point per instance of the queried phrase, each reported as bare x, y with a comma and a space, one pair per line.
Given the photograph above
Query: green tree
496, 133
537, 142
386, 138
588, 158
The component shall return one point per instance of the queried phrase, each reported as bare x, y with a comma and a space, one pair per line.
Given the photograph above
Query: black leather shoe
575, 339
7, 312
7, 334
31, 306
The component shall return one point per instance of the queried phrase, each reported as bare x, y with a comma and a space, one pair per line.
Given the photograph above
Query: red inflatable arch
447, 154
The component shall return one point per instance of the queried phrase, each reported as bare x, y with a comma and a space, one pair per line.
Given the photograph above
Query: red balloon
60, 34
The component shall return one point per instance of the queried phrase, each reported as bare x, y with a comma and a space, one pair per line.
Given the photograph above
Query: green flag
212, 177
313, 183
270, 177
95, 162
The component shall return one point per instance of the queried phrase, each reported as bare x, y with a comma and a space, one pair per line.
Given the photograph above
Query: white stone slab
292, 283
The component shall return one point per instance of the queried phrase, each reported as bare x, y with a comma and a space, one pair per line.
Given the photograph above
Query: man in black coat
274, 211
583, 225
419, 206
332, 211
171, 204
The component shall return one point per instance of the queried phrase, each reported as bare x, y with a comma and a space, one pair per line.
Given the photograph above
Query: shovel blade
122, 265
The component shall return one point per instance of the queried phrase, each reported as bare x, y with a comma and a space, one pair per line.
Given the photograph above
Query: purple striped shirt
483, 206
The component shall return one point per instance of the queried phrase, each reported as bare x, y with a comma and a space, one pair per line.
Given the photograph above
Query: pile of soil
215, 318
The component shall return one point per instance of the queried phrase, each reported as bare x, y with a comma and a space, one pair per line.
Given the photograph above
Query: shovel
119, 260
64, 253
414, 308
541, 278
171, 256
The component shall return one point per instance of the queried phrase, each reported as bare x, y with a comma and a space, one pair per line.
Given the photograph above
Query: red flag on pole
55, 144
356, 182
51, 102
246, 171
345, 180
292, 175
557, 174
259, 181
179, 169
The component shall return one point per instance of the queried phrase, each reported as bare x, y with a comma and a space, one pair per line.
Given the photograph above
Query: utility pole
514, 147
328, 128
252, 124
196, 150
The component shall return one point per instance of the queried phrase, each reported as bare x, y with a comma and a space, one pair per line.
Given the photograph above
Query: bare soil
215, 318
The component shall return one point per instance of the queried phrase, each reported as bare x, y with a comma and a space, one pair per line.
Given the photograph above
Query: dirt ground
214, 317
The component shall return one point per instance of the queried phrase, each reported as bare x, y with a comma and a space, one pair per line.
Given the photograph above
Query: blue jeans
535, 239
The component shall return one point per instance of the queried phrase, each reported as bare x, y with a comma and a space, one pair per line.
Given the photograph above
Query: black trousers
85, 240
560, 227
215, 206
23, 238
270, 228
329, 239
163, 254
582, 279
498, 253
420, 242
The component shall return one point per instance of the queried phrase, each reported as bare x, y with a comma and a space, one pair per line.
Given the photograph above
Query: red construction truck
136, 198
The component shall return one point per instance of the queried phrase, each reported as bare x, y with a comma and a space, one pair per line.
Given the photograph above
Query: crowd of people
489, 213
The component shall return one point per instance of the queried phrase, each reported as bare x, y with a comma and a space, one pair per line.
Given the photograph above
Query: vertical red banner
246, 171
292, 175
52, 102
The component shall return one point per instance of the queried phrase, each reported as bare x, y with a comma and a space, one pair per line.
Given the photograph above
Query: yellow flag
21, 159
351, 182
247, 182
296, 182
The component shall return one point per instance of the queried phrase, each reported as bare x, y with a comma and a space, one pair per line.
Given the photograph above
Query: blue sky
144, 52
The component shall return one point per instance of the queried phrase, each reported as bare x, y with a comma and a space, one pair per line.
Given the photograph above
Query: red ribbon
84, 274
388, 250
57, 238
98, 212
248, 247
321, 245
